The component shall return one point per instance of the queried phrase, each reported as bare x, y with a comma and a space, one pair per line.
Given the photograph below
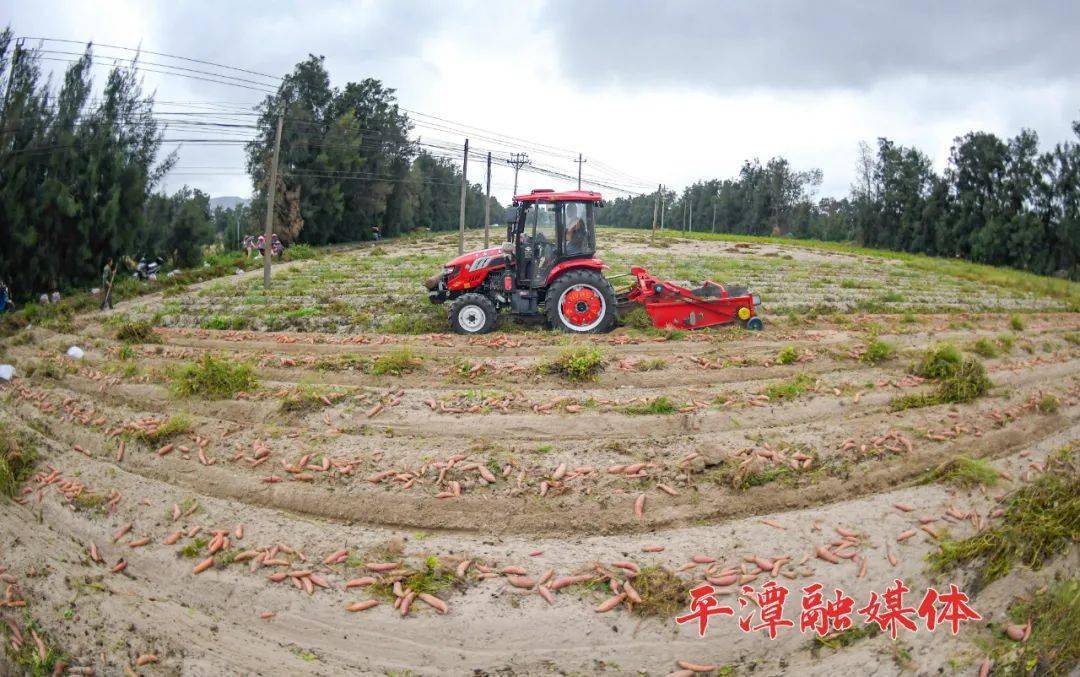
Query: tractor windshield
578, 218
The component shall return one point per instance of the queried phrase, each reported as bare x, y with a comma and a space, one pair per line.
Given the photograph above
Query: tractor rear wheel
581, 302
473, 314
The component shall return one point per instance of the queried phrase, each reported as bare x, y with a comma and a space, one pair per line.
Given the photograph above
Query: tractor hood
468, 258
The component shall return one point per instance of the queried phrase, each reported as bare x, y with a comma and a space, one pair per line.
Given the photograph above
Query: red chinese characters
823, 618
703, 604
770, 603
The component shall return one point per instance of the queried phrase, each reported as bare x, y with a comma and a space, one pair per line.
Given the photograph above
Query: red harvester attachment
672, 306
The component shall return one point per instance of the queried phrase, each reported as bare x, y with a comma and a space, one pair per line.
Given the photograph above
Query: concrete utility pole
579, 162
517, 161
464, 191
691, 224
714, 214
487, 204
268, 249
663, 207
655, 209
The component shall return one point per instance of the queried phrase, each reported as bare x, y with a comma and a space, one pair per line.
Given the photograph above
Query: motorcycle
148, 270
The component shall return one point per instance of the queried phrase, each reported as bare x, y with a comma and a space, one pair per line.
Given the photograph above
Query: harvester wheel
581, 302
473, 314
755, 324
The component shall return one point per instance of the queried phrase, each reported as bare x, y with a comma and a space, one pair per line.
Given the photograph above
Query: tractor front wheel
581, 302
473, 314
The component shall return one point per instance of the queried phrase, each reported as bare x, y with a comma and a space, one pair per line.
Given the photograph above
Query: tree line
81, 170
347, 166
998, 201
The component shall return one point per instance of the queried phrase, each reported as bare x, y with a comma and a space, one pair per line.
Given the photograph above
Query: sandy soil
352, 475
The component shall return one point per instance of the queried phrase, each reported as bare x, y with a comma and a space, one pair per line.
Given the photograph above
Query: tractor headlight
448, 271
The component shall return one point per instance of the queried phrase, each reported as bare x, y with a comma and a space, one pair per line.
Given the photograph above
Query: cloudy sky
657, 91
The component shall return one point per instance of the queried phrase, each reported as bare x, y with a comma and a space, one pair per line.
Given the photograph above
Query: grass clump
789, 390
663, 594
964, 472
1015, 323
177, 424
650, 364
307, 397
787, 356
28, 658
1041, 521
637, 318
17, 458
396, 362
137, 331
1052, 648
965, 382
877, 351
657, 405
577, 363
1048, 404
213, 378
984, 347
938, 362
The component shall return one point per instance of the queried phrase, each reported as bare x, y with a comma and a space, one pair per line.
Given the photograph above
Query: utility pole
268, 248
238, 227
655, 209
487, 204
464, 191
663, 206
517, 161
714, 214
579, 162
691, 215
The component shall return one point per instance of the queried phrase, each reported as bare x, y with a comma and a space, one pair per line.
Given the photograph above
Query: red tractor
548, 267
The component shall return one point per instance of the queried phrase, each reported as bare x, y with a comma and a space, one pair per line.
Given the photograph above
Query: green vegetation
657, 405
842, 640
650, 364
308, 397
1015, 323
963, 472
433, 577
1048, 404
137, 331
1052, 648
966, 382
397, 361
176, 424
27, 657
877, 351
663, 594
637, 318
577, 363
939, 362
213, 378
787, 356
1040, 521
789, 390
985, 347
17, 458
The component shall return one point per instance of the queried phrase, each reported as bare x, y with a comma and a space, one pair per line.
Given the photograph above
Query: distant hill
227, 201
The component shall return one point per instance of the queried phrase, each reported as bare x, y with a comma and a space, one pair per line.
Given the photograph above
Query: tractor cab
546, 229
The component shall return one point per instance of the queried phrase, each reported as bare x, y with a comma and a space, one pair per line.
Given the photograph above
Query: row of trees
347, 165
999, 201
77, 175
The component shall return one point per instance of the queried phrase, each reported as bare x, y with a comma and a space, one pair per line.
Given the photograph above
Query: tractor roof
548, 195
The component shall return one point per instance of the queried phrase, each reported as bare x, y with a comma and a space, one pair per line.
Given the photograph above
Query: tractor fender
564, 266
